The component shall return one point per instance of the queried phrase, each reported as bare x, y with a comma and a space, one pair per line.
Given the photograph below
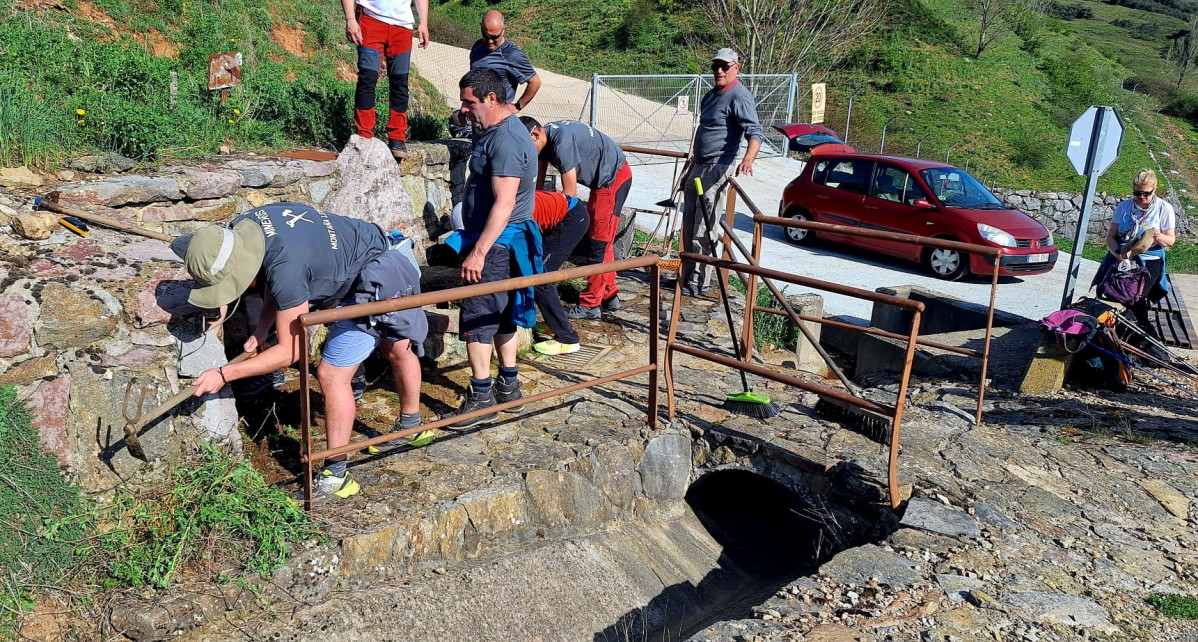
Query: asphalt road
1033, 297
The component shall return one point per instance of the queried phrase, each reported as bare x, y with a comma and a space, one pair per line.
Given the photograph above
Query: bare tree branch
806, 37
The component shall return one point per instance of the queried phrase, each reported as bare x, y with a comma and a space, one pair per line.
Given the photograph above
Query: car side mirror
923, 204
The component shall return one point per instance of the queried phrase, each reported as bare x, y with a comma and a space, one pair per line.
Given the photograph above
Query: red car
920, 197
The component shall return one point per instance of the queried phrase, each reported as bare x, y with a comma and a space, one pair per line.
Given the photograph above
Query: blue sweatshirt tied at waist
523, 241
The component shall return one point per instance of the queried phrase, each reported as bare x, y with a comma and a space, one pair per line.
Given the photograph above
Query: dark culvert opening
770, 536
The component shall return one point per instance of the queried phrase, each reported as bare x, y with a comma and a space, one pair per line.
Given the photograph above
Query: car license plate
1037, 258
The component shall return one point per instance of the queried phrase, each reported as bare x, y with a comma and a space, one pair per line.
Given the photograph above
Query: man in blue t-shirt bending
300, 258
499, 239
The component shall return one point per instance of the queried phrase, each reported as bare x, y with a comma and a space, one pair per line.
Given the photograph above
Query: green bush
42, 543
216, 513
422, 126
1182, 607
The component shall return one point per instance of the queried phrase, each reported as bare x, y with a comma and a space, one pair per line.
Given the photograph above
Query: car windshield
815, 139
956, 188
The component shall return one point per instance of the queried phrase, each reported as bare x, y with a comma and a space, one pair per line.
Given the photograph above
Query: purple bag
1073, 328
1125, 287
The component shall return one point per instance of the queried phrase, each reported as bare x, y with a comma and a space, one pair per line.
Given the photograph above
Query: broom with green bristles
748, 403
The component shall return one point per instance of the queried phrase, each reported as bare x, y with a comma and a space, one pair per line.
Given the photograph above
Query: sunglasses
725, 66
1143, 193
492, 38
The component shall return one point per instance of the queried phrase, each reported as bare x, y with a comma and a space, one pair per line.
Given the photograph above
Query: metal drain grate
1172, 320
586, 357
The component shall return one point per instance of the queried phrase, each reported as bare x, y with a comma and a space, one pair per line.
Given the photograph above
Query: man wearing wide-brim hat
299, 258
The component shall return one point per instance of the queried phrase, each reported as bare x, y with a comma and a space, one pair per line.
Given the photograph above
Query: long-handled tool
871, 424
50, 203
1128, 363
136, 421
746, 402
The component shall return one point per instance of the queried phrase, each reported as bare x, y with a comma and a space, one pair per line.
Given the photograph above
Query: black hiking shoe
476, 400
580, 312
399, 149
611, 304
507, 390
257, 384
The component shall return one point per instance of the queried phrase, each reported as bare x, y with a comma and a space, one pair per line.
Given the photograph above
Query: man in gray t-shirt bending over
727, 114
298, 258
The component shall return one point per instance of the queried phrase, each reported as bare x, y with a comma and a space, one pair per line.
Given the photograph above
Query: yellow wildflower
236, 112
80, 112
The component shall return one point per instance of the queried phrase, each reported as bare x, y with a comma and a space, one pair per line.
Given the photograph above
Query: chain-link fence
661, 111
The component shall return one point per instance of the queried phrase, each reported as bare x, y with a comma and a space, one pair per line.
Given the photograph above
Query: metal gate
662, 111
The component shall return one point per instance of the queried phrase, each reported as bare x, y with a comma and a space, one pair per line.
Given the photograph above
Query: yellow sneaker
554, 347
422, 439
326, 486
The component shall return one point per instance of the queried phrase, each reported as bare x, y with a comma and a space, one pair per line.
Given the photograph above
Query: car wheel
797, 235
950, 265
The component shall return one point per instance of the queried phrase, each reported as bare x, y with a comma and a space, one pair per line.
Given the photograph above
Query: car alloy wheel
798, 235
946, 264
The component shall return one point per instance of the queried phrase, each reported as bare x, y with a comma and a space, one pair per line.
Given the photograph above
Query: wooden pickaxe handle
178, 398
50, 203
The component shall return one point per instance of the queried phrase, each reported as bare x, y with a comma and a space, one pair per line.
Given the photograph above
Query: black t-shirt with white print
311, 255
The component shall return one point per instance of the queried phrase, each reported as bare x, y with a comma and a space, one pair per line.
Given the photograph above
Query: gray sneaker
358, 385
476, 400
611, 304
580, 312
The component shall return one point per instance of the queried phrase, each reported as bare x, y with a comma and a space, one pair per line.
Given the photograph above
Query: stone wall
1059, 211
87, 322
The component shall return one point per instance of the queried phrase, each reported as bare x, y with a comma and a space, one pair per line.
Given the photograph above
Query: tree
805, 37
1183, 49
997, 16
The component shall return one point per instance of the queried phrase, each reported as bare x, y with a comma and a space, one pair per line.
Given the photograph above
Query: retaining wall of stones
1060, 211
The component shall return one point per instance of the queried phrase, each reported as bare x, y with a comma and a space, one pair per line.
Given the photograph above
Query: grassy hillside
1009, 111
96, 75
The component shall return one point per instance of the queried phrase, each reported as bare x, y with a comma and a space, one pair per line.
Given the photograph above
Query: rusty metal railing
895, 412
759, 220
308, 456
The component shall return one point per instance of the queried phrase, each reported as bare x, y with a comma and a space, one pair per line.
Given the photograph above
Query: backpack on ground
1072, 328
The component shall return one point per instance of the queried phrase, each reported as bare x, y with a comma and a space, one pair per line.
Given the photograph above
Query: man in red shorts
382, 29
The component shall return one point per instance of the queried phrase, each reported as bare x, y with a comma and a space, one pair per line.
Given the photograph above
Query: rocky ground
1054, 519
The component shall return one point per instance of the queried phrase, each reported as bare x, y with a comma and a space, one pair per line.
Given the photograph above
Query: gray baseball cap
726, 55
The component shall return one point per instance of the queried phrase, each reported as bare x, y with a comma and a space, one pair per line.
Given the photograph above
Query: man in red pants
382, 29
583, 155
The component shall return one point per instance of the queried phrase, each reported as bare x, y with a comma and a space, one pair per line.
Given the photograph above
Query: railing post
895, 428
594, 101
920, 143
730, 216
654, 332
849, 118
305, 416
884, 127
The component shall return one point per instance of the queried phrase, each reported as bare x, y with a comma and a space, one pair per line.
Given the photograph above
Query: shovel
134, 425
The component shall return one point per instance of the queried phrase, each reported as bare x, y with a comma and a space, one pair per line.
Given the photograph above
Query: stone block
214, 210
35, 225
148, 250
562, 499
118, 192
930, 515
71, 318
199, 186
496, 509
31, 370
48, 405
666, 466
17, 177
103, 164
806, 355
1064, 610
163, 297
320, 169
167, 214
16, 328
374, 552
1046, 373
372, 189
861, 564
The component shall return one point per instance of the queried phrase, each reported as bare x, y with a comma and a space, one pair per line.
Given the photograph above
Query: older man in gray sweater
727, 114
